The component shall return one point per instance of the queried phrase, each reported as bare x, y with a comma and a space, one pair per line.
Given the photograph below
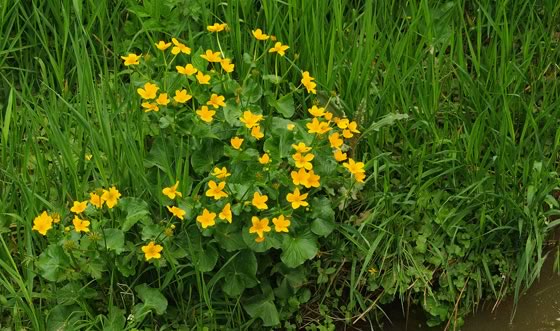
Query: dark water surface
538, 310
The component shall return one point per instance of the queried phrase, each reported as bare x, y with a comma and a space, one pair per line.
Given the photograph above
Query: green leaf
152, 298
229, 237
136, 210
240, 273
116, 320
284, 105
323, 214
296, 250
262, 307
53, 263
206, 155
114, 240
251, 91
205, 258
274, 79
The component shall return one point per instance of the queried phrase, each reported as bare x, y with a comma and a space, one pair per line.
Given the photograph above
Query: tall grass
477, 153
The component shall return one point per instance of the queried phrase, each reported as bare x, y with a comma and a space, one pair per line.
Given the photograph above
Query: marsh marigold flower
250, 119
227, 65
111, 197
152, 251
179, 47
308, 82
211, 56
279, 48
236, 142
316, 111
55, 218
96, 200
216, 191
171, 192
259, 201
206, 219
149, 91
303, 161
281, 224
216, 27
182, 96
131, 59
80, 225
148, 107
312, 180
318, 127
79, 207
259, 35
216, 101
264, 159
256, 132
335, 140
339, 155
42, 223
226, 214
260, 226
220, 173
299, 177
290, 127
162, 99
296, 199
301, 147
205, 114
188, 70
162, 45
177, 212
202, 78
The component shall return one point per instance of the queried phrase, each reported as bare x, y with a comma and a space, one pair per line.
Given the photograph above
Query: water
537, 310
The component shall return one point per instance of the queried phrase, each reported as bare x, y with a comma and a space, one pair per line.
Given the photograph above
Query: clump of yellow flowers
263, 168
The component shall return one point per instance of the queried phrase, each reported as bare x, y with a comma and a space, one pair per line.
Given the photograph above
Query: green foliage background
458, 104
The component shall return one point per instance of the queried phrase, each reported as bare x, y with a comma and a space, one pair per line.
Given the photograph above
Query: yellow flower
279, 48
216, 101
211, 56
205, 114
55, 218
131, 59
202, 78
177, 212
149, 91
220, 173
226, 214
360, 176
259, 35
259, 201
328, 115
312, 180
316, 111
79, 207
339, 156
42, 223
291, 126
188, 70
162, 99
297, 199
299, 177
342, 123
317, 127
303, 161
179, 47
216, 190
256, 132
111, 197
347, 134
162, 45
206, 219
308, 82
217, 27
152, 251
227, 65
250, 119
353, 166
281, 224
181, 96
264, 159
96, 200
148, 107
335, 140
80, 225
353, 127
301, 147
171, 192
372, 270
260, 226
236, 142
88, 157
